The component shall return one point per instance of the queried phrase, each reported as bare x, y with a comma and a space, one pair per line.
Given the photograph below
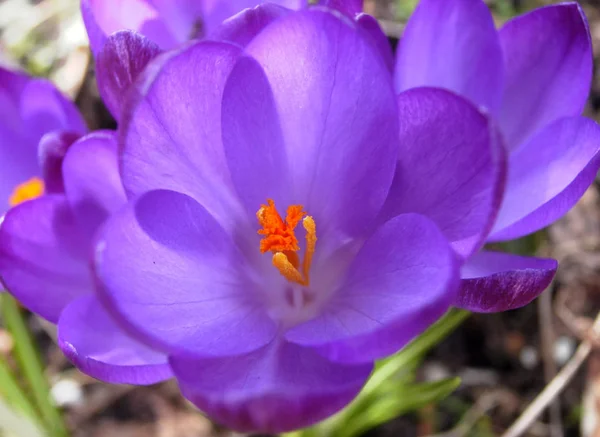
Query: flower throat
279, 238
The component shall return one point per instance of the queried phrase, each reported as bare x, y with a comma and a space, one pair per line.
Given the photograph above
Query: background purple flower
277, 341
45, 246
167, 23
29, 109
533, 76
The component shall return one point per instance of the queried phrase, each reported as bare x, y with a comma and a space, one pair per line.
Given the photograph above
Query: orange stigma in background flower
280, 239
28, 190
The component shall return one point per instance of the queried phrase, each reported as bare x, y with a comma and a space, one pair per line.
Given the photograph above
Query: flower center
279, 238
30, 189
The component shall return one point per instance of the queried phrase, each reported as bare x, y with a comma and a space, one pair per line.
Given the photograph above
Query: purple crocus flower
45, 247
255, 250
533, 76
167, 23
32, 109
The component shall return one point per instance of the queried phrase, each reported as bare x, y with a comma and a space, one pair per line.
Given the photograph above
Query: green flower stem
31, 366
12, 392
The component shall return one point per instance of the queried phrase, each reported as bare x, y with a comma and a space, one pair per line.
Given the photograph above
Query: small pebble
435, 371
564, 348
529, 357
66, 392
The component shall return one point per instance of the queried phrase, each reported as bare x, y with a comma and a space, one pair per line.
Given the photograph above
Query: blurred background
504, 360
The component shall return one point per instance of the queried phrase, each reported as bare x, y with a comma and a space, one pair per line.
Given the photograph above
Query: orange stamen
279, 238
28, 190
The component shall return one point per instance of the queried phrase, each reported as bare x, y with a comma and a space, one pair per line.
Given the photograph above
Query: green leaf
31, 366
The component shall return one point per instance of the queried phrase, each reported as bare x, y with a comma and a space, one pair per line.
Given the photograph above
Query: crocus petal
402, 280
217, 11
43, 257
451, 166
92, 182
92, 340
495, 281
104, 17
340, 103
123, 57
52, 150
13, 83
281, 387
242, 27
378, 38
548, 56
170, 272
547, 175
452, 44
171, 138
350, 7
44, 109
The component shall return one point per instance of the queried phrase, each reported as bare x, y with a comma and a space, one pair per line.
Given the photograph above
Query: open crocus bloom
167, 23
32, 109
255, 250
533, 76
45, 246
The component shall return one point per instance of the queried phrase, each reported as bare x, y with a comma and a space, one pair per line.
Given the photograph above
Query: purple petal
92, 340
104, 17
547, 175
92, 181
52, 150
349, 7
495, 281
402, 280
123, 57
44, 109
451, 166
171, 136
43, 259
452, 44
281, 387
340, 103
243, 27
171, 273
217, 11
378, 38
548, 56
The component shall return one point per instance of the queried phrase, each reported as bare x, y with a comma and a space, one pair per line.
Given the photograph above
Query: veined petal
340, 103
548, 57
43, 257
93, 341
451, 166
171, 138
547, 176
350, 7
121, 60
171, 273
104, 17
402, 280
495, 281
217, 11
452, 44
280, 387
242, 27
92, 182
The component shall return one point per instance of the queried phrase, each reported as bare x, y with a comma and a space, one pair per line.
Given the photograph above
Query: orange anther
28, 190
279, 238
